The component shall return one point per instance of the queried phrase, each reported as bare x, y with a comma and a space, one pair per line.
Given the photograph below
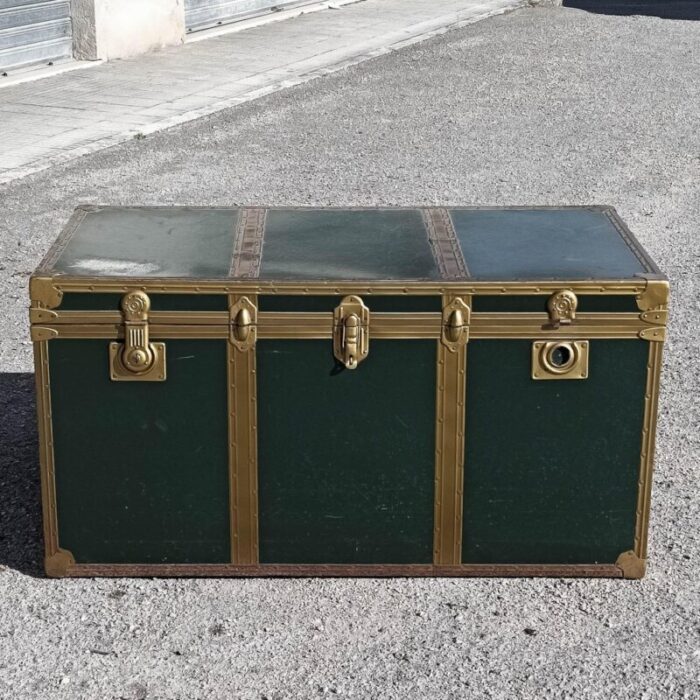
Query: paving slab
153, 92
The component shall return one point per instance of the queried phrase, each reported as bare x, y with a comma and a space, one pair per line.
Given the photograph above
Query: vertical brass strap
449, 454
243, 453
651, 402
247, 252
443, 241
56, 560
46, 461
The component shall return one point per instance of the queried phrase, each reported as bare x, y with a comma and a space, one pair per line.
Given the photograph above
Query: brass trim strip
46, 317
173, 285
444, 244
533, 325
116, 331
319, 325
243, 453
321, 331
449, 454
270, 325
247, 252
46, 456
646, 467
349, 570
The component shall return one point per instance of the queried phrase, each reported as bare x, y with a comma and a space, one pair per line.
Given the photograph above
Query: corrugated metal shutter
203, 14
33, 31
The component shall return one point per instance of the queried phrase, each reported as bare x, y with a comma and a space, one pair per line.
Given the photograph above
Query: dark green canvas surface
410, 303
587, 303
512, 244
141, 467
352, 244
335, 244
551, 467
151, 242
346, 458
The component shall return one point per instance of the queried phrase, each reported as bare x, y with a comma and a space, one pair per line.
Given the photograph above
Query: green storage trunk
251, 391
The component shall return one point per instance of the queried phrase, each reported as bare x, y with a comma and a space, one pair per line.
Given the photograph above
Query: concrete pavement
545, 106
56, 119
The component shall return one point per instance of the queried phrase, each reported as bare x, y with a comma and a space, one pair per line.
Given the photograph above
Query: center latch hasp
351, 331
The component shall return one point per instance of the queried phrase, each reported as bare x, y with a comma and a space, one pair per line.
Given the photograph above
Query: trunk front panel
551, 467
141, 468
346, 459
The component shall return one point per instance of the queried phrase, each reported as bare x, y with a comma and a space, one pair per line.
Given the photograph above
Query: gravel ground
543, 106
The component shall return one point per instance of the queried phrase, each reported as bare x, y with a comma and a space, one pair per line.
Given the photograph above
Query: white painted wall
104, 29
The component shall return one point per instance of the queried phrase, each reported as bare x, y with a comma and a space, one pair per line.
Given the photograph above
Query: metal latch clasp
562, 308
351, 331
137, 359
244, 320
455, 324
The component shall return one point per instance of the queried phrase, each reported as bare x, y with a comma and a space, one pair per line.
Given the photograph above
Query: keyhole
560, 356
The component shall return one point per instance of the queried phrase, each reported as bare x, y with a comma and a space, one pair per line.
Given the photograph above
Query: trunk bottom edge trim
346, 570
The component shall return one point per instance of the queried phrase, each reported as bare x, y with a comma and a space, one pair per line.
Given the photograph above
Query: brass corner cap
632, 566
43, 291
57, 564
656, 293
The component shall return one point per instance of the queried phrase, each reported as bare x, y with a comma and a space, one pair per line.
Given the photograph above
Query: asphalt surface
542, 106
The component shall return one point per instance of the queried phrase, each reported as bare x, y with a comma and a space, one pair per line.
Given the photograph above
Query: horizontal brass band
78, 318
348, 570
47, 291
529, 325
319, 325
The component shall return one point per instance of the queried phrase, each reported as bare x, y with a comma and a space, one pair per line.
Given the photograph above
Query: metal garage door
33, 31
202, 14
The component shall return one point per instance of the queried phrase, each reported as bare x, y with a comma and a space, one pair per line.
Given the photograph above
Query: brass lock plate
351, 331
560, 359
118, 372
